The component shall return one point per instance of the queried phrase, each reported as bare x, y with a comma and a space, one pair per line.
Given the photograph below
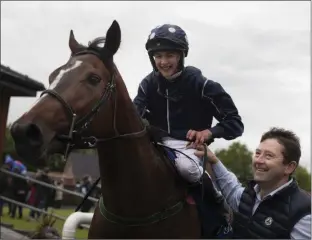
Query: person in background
33, 197
4, 188
19, 192
30, 199
85, 187
78, 186
43, 193
15, 187
15, 164
58, 194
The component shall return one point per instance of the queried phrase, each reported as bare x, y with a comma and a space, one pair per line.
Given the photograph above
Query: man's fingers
189, 145
200, 148
199, 154
202, 139
188, 134
197, 138
191, 134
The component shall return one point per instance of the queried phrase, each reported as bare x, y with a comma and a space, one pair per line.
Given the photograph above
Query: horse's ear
113, 37
73, 44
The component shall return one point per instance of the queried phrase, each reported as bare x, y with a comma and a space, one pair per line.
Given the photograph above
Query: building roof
19, 84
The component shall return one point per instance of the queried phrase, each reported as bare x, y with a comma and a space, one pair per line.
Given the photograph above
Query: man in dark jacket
43, 193
272, 206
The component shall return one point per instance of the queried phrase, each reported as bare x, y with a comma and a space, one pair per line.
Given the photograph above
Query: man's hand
198, 137
201, 151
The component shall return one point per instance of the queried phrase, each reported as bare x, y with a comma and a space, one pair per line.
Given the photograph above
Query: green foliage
237, 158
9, 143
56, 163
303, 178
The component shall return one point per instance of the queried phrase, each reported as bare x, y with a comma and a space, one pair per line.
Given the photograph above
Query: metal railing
38, 210
47, 184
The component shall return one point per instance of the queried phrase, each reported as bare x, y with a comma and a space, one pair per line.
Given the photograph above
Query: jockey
182, 102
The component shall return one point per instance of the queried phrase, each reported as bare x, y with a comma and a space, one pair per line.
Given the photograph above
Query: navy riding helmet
167, 37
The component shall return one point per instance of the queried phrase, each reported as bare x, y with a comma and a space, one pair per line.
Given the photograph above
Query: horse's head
77, 91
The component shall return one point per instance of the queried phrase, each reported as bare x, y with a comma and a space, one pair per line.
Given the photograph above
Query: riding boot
210, 193
209, 206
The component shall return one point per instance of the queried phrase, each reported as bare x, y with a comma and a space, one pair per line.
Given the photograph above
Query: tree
9, 146
237, 158
303, 178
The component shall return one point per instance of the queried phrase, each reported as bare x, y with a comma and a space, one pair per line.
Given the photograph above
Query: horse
87, 105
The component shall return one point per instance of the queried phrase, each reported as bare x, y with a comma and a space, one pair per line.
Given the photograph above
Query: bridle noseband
74, 138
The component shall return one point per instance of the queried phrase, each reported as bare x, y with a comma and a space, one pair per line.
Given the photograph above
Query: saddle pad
170, 154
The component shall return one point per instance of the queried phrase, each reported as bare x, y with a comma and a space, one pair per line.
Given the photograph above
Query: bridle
75, 138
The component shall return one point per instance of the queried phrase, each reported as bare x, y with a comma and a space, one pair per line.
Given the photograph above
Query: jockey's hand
200, 153
198, 137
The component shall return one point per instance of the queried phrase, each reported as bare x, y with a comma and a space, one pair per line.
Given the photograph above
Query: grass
23, 224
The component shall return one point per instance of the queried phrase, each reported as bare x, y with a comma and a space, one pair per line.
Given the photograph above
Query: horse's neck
133, 175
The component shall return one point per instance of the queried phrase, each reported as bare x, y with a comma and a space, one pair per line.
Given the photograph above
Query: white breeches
190, 169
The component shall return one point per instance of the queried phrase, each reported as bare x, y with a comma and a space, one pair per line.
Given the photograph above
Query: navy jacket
189, 102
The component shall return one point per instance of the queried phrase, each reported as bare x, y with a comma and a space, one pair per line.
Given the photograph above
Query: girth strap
136, 222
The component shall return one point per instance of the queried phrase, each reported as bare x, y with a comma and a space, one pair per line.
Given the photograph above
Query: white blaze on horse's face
62, 72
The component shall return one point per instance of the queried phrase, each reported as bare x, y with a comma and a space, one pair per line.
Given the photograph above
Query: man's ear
291, 167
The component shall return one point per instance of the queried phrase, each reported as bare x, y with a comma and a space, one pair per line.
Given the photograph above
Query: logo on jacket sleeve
268, 221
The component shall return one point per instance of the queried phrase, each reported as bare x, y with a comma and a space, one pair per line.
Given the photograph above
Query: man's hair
289, 140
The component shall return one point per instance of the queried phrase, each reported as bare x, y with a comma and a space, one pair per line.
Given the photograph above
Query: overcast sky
258, 51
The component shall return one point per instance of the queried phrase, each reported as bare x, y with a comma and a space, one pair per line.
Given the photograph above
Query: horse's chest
183, 225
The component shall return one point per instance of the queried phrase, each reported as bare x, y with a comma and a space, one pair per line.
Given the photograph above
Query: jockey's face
167, 62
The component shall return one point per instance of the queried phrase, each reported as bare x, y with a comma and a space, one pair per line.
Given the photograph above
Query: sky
258, 51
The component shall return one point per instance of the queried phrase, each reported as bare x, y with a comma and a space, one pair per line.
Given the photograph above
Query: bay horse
87, 105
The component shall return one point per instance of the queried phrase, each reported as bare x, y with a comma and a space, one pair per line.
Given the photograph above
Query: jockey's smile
167, 62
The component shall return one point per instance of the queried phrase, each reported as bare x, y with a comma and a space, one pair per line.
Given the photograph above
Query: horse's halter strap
78, 126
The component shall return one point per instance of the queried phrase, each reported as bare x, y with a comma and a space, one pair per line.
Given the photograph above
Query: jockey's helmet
167, 37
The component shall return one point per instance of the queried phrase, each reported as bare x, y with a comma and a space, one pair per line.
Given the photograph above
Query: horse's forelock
97, 44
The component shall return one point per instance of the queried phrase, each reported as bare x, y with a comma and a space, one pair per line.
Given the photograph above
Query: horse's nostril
33, 133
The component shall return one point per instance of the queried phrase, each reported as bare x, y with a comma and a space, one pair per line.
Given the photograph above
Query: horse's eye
94, 80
